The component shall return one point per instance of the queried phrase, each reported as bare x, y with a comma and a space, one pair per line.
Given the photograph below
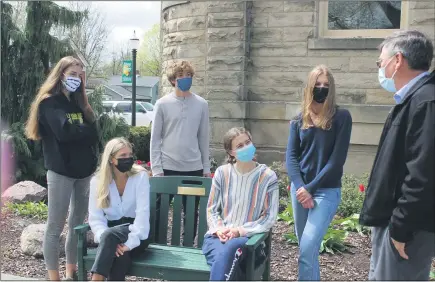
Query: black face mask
124, 164
320, 94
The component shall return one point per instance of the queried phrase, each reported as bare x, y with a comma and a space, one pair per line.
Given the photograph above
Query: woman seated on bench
243, 201
119, 211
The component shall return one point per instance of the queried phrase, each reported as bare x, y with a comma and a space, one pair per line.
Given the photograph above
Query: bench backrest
178, 186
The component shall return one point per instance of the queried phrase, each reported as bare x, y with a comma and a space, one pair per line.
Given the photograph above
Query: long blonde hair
51, 86
105, 171
329, 106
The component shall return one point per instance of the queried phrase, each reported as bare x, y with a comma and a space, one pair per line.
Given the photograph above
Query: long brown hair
329, 106
228, 141
51, 86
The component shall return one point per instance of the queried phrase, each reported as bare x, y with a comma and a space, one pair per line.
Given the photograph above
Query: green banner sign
127, 71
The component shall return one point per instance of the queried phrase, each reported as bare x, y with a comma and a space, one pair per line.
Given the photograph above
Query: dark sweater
69, 141
315, 157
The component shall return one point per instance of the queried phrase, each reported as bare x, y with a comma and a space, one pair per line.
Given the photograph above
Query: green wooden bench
167, 259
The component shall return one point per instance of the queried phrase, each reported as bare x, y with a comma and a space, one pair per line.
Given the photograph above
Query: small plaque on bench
192, 191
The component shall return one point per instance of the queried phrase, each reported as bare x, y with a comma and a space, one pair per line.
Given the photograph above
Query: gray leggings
63, 192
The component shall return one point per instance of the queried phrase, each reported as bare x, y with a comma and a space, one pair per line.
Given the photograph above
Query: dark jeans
106, 262
184, 199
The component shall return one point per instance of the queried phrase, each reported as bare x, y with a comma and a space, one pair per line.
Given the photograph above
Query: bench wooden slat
176, 220
202, 225
153, 200
190, 222
163, 219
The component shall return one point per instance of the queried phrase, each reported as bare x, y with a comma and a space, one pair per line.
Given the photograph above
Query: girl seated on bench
119, 211
243, 201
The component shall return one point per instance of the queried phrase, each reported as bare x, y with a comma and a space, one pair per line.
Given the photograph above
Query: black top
400, 192
69, 141
315, 157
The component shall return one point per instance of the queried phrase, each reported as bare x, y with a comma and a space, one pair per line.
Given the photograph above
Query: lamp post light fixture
134, 45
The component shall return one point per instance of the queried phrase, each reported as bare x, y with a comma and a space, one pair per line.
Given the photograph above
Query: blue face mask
184, 84
246, 154
387, 83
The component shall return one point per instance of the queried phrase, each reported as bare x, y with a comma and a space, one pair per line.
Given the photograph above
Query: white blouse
135, 203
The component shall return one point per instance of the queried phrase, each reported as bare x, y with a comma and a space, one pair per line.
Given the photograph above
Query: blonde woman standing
62, 118
316, 152
119, 211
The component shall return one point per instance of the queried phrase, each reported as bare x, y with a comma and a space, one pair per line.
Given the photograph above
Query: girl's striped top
247, 201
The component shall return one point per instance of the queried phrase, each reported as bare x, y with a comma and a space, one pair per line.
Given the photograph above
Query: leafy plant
283, 180
352, 224
213, 164
140, 137
333, 241
351, 197
287, 215
29, 209
432, 274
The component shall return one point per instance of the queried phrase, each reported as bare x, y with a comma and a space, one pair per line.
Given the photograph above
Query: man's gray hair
416, 47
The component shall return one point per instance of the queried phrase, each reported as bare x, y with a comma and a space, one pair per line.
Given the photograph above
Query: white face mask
72, 83
387, 83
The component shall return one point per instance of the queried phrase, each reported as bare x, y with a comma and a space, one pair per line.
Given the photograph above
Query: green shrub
352, 224
351, 197
29, 209
140, 138
283, 180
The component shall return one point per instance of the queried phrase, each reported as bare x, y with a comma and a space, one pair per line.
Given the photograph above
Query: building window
368, 19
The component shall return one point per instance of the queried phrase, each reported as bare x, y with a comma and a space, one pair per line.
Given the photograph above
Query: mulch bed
347, 266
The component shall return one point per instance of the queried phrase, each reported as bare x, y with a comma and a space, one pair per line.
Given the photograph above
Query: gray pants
387, 264
63, 192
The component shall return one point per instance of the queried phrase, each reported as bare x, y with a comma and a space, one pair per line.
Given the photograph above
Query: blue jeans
311, 226
220, 255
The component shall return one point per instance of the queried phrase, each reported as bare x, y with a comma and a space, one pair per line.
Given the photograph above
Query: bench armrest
256, 240
82, 229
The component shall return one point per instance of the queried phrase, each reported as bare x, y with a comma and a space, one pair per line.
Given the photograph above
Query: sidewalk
8, 277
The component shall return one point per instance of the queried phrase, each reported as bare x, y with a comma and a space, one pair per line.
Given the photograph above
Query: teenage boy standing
180, 130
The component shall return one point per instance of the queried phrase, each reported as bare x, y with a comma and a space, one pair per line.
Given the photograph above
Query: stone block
225, 34
295, 34
291, 79
224, 6
259, 20
191, 23
229, 109
218, 128
274, 93
198, 78
228, 78
185, 37
297, 63
181, 11
267, 6
170, 26
368, 114
226, 49
228, 19
197, 63
165, 90
225, 63
425, 4
359, 81
359, 64
360, 159
220, 92
344, 53
198, 90
292, 110
165, 81
422, 17
291, 19
261, 34
265, 110
366, 133
269, 133
379, 96
428, 30
350, 96
285, 49
302, 6
183, 51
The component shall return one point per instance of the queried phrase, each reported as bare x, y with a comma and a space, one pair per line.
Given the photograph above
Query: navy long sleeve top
315, 157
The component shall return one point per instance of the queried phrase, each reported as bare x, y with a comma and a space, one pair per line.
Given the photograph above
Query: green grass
29, 209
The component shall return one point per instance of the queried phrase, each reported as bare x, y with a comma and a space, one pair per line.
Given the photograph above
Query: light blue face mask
387, 83
246, 154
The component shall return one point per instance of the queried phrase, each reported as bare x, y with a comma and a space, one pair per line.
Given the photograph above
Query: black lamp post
134, 44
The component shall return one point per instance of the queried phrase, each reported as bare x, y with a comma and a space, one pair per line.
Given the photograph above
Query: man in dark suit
399, 201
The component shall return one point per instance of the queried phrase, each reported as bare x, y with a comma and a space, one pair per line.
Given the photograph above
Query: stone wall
252, 59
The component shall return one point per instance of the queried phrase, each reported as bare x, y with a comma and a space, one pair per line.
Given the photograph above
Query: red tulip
212, 174
361, 188
139, 162
288, 187
149, 164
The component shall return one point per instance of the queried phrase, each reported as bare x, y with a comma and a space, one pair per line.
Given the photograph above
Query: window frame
324, 32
